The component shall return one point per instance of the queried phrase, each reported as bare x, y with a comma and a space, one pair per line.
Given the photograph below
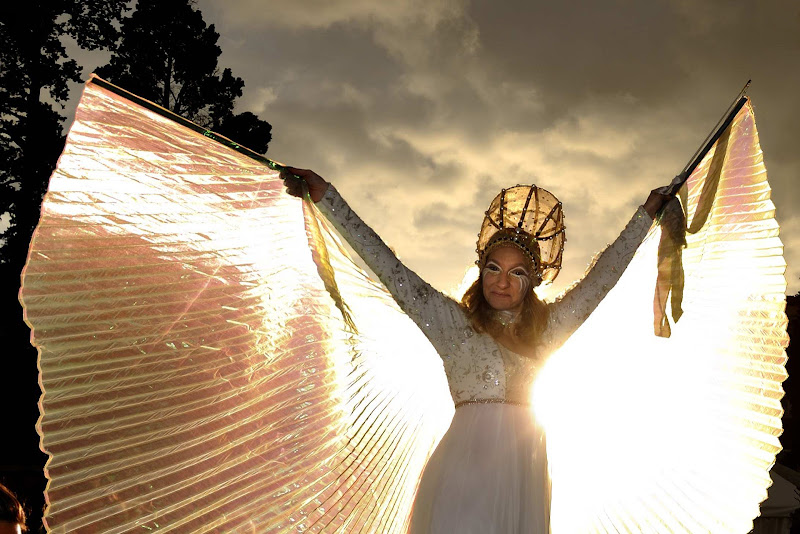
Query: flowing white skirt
487, 476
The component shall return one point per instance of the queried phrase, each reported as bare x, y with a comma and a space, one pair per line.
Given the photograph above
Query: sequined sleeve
570, 310
438, 316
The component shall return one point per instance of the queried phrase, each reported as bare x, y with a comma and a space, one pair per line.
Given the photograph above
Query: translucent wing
197, 370
652, 434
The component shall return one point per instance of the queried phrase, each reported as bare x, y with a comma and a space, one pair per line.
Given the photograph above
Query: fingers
292, 181
286, 171
294, 186
289, 172
663, 190
676, 184
294, 178
656, 200
302, 173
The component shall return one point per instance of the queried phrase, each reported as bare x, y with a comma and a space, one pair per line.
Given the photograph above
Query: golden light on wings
212, 360
197, 375
647, 434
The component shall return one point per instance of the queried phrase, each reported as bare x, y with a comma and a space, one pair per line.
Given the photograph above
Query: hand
293, 177
656, 201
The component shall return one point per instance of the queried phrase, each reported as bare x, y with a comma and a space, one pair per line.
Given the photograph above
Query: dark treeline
161, 50
35, 77
790, 440
169, 55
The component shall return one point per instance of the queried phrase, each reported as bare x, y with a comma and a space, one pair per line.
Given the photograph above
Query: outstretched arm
569, 312
432, 311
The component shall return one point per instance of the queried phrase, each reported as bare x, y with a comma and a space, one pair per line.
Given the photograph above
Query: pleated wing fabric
203, 368
678, 433
212, 360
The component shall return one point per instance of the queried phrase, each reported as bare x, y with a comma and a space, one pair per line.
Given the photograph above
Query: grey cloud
570, 50
441, 217
318, 14
420, 111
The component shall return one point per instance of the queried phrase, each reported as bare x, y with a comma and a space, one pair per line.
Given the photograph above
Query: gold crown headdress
529, 218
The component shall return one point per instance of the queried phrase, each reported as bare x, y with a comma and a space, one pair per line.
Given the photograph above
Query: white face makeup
519, 275
506, 279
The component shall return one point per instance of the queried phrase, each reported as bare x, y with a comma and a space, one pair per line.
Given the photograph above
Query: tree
33, 65
35, 74
169, 55
790, 440
248, 130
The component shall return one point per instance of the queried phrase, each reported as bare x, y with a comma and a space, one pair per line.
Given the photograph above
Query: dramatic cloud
419, 111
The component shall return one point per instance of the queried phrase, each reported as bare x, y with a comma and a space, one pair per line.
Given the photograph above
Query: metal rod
155, 108
711, 138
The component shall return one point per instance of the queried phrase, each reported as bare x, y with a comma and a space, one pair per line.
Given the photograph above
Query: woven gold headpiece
529, 218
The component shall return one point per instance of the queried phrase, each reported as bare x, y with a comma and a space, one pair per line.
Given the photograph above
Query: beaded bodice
476, 366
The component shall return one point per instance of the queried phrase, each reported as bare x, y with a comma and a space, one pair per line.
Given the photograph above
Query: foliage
169, 55
248, 130
790, 440
35, 73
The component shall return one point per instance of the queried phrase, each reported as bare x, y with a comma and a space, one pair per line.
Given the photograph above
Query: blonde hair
480, 313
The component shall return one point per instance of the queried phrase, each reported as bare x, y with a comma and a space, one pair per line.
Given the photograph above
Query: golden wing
652, 434
197, 371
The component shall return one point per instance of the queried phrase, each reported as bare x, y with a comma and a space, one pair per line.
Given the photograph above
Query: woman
489, 473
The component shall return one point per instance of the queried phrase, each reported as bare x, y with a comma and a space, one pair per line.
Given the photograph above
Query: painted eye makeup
492, 268
521, 275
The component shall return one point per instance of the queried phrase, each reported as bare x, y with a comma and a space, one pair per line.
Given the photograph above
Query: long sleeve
569, 312
437, 315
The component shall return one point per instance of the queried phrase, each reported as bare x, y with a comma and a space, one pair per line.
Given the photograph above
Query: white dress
489, 472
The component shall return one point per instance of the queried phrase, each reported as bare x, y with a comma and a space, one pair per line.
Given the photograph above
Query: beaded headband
528, 218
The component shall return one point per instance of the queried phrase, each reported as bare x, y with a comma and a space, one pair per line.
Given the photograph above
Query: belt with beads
491, 401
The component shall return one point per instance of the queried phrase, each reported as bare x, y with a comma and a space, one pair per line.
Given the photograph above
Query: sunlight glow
677, 434
635, 414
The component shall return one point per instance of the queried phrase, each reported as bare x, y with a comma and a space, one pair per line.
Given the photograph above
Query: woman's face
506, 279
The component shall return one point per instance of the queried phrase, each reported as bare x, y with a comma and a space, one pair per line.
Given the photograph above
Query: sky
420, 111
